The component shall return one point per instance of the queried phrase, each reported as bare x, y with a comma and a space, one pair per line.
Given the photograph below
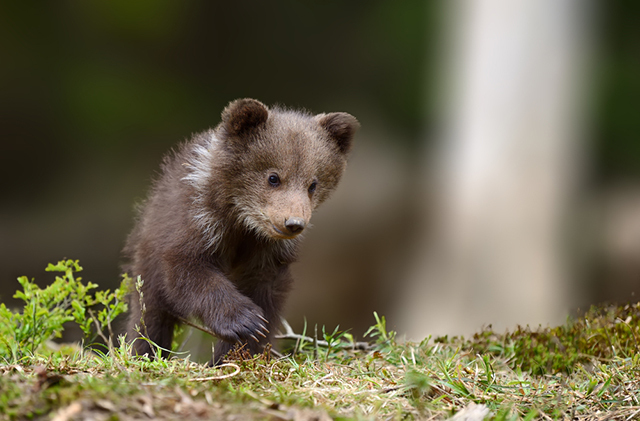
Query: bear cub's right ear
243, 115
341, 128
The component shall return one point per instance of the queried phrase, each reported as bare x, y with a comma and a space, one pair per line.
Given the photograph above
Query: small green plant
379, 331
47, 310
335, 340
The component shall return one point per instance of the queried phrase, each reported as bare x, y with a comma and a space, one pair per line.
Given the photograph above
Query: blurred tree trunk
505, 170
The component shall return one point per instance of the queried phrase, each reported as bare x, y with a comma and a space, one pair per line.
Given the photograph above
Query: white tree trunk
505, 170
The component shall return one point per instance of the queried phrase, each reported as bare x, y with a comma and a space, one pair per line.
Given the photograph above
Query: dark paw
240, 323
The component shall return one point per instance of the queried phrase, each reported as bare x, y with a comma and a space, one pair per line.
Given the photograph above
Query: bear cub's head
277, 165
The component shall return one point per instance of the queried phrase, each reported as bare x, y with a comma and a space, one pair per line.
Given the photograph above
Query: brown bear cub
222, 224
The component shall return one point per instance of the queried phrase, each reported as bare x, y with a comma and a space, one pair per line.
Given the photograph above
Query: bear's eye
274, 180
313, 186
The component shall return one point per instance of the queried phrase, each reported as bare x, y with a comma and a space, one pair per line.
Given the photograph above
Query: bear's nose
294, 225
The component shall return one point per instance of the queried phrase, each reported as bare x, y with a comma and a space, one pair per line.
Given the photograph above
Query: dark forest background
92, 94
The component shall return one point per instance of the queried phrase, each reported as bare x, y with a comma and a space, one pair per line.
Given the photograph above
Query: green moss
603, 333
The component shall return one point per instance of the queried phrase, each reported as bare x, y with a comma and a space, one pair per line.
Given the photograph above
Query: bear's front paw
239, 322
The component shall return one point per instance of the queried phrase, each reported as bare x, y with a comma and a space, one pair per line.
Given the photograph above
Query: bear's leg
156, 327
270, 296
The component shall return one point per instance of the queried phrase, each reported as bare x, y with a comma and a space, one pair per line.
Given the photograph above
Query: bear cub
222, 224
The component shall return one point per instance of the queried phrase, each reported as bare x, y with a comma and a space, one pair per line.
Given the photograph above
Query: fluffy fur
221, 225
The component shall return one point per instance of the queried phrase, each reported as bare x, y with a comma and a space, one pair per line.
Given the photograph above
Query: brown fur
217, 234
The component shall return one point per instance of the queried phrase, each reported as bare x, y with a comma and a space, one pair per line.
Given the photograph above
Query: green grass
585, 369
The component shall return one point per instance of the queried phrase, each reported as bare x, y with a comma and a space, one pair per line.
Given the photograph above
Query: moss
602, 333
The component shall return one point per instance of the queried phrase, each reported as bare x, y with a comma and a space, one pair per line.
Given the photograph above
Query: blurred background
495, 180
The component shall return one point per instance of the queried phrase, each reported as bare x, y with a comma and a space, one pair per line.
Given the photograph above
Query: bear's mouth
278, 233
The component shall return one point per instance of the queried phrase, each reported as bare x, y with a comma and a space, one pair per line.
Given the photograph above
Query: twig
391, 389
290, 334
99, 330
276, 354
195, 326
224, 376
632, 416
315, 342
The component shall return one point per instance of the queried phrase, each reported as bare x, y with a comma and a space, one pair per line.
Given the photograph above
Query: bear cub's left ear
243, 115
341, 128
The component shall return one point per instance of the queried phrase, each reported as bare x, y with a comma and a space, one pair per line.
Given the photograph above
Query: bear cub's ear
341, 128
242, 115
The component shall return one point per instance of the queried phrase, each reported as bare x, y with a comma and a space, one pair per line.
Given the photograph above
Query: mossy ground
586, 369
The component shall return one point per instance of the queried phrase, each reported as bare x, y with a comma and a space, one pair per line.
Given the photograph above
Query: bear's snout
294, 225
288, 214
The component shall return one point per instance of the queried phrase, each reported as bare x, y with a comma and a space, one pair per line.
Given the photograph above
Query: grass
587, 369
